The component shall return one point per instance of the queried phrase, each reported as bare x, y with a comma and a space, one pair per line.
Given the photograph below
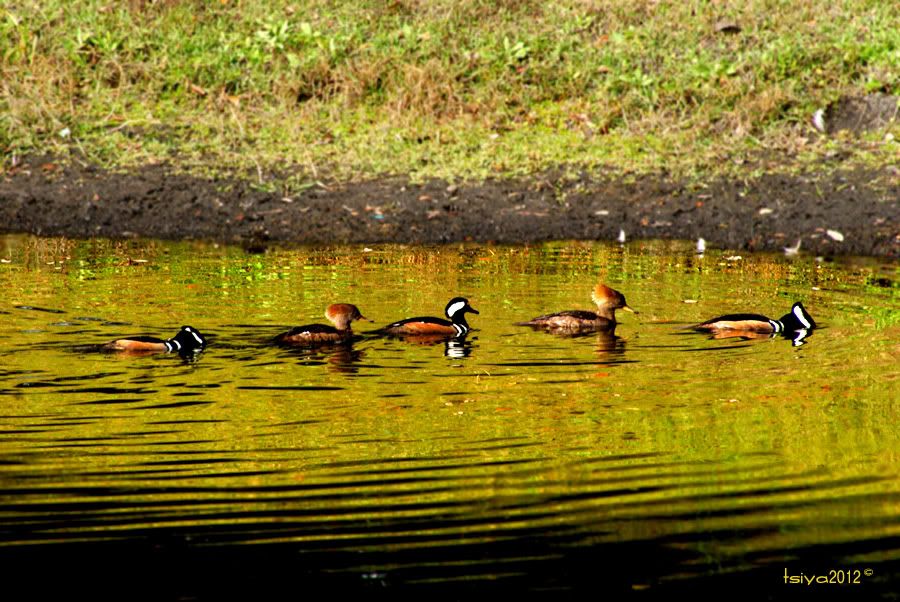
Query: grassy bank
465, 88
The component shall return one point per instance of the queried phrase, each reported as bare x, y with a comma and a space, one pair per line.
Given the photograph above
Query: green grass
448, 88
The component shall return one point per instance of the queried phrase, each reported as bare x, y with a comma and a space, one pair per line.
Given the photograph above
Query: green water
517, 459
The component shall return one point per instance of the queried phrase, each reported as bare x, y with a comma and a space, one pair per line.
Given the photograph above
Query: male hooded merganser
436, 327
608, 301
340, 314
187, 341
736, 324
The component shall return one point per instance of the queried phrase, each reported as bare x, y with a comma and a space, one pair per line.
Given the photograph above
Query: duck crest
456, 310
798, 318
608, 300
455, 307
343, 314
187, 339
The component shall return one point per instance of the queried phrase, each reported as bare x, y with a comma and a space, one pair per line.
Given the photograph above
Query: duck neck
607, 313
342, 323
791, 323
460, 319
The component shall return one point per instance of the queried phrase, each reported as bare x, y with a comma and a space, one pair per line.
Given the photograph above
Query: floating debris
765, 211
835, 235
701, 246
621, 238
791, 251
733, 258
690, 301
602, 212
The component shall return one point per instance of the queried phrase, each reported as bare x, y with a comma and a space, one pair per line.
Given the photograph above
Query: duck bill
471, 309
626, 308
365, 319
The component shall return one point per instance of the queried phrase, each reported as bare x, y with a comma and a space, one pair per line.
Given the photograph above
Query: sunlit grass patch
440, 88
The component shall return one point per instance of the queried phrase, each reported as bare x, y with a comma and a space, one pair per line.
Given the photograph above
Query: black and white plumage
188, 340
736, 324
428, 326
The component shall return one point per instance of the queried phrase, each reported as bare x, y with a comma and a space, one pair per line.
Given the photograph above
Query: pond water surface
654, 461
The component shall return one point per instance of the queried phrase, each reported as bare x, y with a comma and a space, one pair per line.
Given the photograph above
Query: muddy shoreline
50, 198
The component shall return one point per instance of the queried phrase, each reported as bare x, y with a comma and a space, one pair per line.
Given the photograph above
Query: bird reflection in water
609, 346
341, 357
454, 347
457, 348
796, 337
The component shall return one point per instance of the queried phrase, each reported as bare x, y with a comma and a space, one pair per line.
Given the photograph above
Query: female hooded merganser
608, 301
436, 327
738, 324
340, 314
187, 341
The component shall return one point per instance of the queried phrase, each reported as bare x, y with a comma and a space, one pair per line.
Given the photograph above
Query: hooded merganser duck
798, 319
436, 327
608, 300
340, 314
187, 341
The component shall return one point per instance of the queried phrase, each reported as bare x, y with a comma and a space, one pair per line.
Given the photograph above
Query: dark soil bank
763, 213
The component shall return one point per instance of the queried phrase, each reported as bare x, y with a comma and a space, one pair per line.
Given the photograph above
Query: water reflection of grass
736, 454
740, 449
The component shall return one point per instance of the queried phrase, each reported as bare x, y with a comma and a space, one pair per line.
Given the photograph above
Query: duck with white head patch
187, 341
455, 326
797, 320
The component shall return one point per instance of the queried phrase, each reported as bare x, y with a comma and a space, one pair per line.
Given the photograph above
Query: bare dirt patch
769, 212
